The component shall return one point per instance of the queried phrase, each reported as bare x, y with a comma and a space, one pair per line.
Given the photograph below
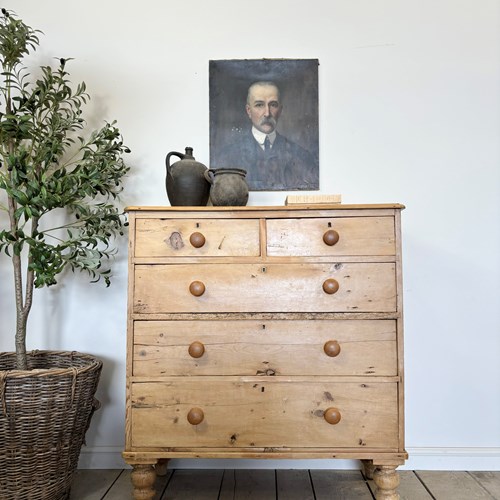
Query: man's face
263, 107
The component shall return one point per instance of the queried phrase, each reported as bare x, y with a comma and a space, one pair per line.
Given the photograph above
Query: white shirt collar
260, 137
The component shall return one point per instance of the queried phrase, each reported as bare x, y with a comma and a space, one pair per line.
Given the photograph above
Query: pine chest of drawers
265, 332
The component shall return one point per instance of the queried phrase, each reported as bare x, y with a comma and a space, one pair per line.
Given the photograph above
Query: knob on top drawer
331, 237
197, 239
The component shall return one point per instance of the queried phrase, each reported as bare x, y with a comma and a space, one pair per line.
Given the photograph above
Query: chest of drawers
265, 332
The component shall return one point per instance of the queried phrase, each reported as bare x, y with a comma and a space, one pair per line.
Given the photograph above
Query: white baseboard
486, 459
101, 457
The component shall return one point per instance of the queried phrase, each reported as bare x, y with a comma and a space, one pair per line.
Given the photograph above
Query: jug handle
209, 175
167, 159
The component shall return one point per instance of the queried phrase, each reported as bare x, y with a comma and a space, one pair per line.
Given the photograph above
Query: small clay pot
229, 187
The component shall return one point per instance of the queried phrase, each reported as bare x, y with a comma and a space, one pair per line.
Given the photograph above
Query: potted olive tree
49, 165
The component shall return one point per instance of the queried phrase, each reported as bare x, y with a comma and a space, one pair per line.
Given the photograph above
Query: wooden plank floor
266, 484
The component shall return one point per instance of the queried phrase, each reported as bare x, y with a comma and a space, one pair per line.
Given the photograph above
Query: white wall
409, 113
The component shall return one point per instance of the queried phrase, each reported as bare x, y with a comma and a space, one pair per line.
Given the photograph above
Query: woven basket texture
44, 414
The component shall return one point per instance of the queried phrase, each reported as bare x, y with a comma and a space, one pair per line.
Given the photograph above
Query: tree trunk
21, 359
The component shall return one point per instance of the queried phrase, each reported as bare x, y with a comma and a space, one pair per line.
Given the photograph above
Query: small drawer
339, 287
265, 348
197, 238
335, 236
256, 413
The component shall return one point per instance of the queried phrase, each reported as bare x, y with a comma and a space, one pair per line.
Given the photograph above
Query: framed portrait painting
264, 119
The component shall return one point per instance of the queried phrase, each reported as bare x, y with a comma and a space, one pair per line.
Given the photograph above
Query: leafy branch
46, 163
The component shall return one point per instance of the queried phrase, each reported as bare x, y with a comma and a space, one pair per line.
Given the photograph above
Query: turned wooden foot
387, 481
161, 467
143, 480
368, 468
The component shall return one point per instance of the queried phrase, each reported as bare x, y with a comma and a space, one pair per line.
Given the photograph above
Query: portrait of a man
264, 119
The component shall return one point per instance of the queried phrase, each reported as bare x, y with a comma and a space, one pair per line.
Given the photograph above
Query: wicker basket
44, 414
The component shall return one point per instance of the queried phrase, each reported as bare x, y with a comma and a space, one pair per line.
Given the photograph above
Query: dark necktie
267, 144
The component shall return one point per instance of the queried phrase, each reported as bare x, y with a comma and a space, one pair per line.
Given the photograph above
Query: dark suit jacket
287, 166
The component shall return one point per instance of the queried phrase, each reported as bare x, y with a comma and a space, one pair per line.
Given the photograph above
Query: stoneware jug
229, 187
185, 182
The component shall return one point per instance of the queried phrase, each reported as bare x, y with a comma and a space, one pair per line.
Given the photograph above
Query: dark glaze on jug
185, 182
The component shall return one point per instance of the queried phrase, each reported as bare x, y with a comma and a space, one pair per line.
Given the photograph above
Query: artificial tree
48, 164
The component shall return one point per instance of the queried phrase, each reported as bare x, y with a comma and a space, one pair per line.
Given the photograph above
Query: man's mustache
268, 121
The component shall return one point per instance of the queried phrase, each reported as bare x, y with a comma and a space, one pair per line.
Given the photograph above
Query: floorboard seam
162, 494
312, 484
367, 483
481, 484
221, 483
111, 485
424, 485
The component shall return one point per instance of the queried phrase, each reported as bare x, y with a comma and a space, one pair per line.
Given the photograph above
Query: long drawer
264, 413
266, 348
333, 236
343, 287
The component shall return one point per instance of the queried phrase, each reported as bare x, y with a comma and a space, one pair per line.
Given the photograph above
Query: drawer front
267, 348
362, 287
264, 414
355, 236
217, 237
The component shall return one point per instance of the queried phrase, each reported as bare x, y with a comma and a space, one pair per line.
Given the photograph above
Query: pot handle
209, 175
167, 159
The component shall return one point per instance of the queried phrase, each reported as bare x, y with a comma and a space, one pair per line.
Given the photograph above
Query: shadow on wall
108, 399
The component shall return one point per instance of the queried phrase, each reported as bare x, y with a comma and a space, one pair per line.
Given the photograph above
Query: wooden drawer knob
196, 349
330, 286
331, 237
332, 348
197, 240
332, 416
197, 288
195, 416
